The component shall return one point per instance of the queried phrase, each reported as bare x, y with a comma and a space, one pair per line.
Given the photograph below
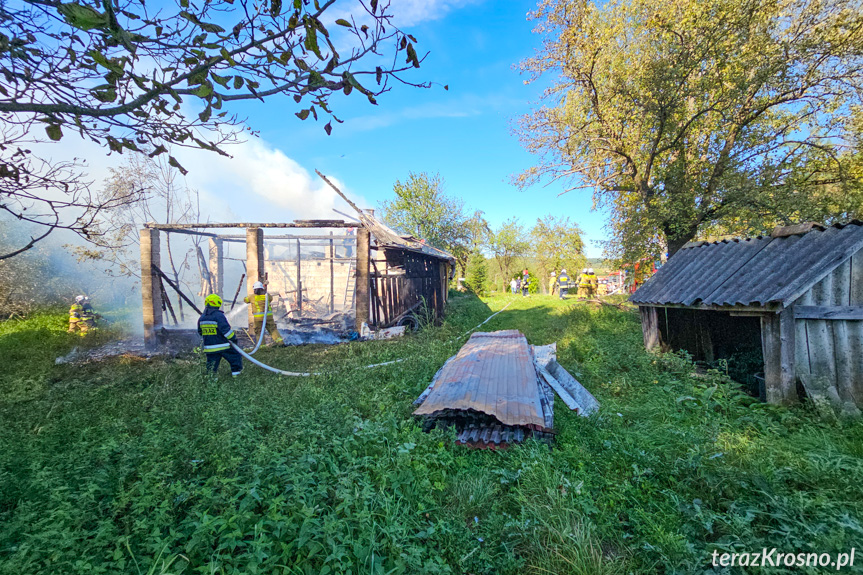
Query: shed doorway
718, 340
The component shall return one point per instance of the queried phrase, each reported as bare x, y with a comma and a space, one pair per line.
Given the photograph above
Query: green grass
133, 466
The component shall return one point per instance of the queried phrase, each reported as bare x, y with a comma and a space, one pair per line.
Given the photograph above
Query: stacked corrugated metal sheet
499, 390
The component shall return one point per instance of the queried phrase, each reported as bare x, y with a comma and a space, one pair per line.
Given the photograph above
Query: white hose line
483, 323
309, 374
263, 325
269, 368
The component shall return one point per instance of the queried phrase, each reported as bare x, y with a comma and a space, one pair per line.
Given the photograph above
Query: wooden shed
797, 293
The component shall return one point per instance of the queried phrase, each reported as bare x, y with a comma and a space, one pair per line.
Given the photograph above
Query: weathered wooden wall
833, 348
401, 280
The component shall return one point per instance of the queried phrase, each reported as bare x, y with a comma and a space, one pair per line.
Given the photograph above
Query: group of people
521, 284
213, 326
588, 284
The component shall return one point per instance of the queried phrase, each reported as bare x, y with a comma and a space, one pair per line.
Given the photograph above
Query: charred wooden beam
247, 225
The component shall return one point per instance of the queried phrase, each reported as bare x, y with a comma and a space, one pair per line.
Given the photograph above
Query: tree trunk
677, 240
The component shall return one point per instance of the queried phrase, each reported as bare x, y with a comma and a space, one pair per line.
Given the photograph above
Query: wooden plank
855, 356
362, 278
771, 350
306, 238
151, 293
217, 265
787, 392
332, 255
649, 327
844, 367
299, 278
801, 339
247, 225
841, 288
856, 281
822, 354
829, 312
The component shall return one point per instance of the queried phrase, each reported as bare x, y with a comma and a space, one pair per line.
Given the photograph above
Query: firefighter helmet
258, 285
213, 300
79, 298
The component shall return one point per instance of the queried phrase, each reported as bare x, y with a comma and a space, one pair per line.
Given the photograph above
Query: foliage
557, 243
132, 77
477, 273
130, 465
423, 210
507, 243
683, 115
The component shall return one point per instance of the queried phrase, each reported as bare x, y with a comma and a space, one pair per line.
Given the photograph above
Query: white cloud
412, 12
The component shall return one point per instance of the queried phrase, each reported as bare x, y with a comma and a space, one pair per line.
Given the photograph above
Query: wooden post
151, 291
217, 265
777, 345
254, 264
650, 327
332, 273
362, 275
299, 280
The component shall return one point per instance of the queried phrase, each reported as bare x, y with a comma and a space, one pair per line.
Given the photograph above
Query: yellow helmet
213, 300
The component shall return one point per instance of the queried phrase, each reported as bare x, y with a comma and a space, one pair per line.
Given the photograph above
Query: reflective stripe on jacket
217, 332
562, 279
75, 312
258, 302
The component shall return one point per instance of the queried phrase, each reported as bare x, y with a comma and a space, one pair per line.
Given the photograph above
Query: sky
463, 133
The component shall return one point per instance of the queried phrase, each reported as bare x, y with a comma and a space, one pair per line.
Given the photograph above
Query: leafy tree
474, 238
477, 273
507, 243
557, 243
683, 114
135, 77
423, 210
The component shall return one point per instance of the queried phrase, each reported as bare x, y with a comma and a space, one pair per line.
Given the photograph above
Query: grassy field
133, 466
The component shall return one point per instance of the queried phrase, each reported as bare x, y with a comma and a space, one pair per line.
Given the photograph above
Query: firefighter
552, 282
602, 288
562, 283
260, 308
88, 316
592, 283
75, 312
583, 284
218, 336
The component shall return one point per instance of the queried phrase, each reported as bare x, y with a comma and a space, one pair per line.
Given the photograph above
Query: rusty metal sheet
493, 373
751, 272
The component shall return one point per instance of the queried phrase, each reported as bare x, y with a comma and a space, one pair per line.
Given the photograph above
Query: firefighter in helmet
262, 306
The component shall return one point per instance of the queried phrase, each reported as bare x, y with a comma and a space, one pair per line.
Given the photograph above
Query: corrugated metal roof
494, 374
760, 271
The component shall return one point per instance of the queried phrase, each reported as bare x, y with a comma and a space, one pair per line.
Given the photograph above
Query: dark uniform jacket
217, 332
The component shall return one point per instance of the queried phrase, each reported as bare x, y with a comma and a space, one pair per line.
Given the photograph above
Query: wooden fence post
362, 275
151, 291
254, 264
